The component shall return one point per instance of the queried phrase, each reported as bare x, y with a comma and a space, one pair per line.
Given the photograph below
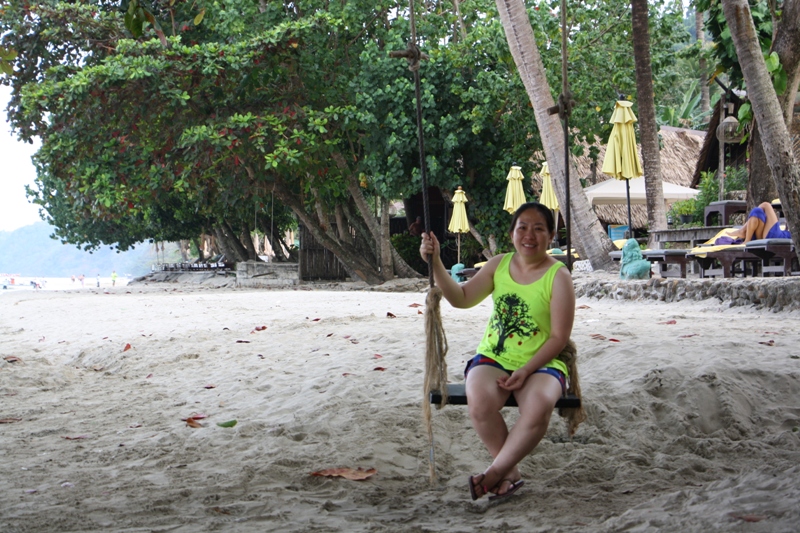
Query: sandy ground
693, 409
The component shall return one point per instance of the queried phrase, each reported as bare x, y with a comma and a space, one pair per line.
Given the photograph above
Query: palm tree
648, 129
591, 241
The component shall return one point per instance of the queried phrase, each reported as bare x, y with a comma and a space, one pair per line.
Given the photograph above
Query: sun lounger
777, 255
457, 395
725, 261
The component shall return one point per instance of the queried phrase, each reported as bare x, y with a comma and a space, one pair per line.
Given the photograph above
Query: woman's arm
562, 317
464, 295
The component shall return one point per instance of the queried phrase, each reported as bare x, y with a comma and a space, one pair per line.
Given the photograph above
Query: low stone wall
775, 294
252, 274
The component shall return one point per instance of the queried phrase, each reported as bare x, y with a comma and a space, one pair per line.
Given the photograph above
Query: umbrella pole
458, 240
628, 195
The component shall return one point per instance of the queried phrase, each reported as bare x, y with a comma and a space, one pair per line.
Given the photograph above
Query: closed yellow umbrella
458, 222
622, 160
548, 196
515, 195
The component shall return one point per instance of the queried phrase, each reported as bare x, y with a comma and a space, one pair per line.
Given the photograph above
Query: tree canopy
197, 115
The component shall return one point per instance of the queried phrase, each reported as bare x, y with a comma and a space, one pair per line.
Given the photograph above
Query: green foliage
688, 114
408, 247
683, 207
735, 180
724, 51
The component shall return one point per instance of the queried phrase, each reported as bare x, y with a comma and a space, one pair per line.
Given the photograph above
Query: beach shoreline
693, 415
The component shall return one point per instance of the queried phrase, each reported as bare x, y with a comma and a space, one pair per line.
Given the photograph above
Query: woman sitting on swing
534, 308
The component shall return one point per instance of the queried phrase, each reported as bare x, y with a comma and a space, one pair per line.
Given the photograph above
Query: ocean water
23, 283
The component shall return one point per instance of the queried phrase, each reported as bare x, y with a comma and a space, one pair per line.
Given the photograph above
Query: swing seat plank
457, 395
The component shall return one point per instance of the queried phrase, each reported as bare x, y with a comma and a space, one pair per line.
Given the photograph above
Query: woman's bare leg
486, 400
536, 399
772, 218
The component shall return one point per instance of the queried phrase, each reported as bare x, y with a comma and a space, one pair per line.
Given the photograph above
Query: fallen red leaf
390, 315
261, 328
79, 437
12, 359
377, 356
192, 423
749, 517
196, 416
134, 426
354, 474
687, 336
415, 305
210, 386
9, 420
420, 312
127, 347
347, 374
148, 376
767, 343
379, 368
354, 341
669, 322
583, 307
614, 340
243, 342
329, 335
315, 319
597, 336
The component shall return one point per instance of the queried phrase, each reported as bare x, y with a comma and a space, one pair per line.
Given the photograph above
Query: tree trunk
648, 129
247, 241
234, 243
705, 97
351, 258
767, 110
387, 270
592, 242
223, 242
787, 45
760, 185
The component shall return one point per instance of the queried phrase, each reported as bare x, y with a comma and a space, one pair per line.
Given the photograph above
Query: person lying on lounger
534, 308
762, 223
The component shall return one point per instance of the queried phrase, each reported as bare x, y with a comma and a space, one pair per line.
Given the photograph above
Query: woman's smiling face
531, 236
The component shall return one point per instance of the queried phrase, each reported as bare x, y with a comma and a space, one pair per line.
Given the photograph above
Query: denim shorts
483, 360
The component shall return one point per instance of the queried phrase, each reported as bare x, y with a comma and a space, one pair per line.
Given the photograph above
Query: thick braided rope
435, 365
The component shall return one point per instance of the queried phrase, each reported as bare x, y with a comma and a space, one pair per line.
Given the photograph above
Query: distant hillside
29, 251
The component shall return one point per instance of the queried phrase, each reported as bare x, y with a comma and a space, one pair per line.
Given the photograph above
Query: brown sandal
473, 486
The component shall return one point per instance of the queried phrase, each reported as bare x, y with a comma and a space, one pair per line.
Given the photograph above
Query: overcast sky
17, 171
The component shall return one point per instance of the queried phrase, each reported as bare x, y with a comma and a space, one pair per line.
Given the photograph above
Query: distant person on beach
521, 350
762, 223
113, 278
98, 280
81, 278
73, 279
417, 227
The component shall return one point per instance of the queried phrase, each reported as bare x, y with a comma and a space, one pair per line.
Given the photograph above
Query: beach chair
725, 261
457, 395
777, 255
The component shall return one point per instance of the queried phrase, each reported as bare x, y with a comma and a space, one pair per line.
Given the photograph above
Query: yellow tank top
520, 321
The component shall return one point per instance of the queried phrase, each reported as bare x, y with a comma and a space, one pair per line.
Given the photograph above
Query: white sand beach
694, 410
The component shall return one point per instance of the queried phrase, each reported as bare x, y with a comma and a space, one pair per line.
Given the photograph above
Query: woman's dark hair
543, 210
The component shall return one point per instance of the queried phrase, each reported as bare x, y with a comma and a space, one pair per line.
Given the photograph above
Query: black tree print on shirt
511, 319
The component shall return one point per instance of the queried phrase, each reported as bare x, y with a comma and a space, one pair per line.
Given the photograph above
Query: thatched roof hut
680, 149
